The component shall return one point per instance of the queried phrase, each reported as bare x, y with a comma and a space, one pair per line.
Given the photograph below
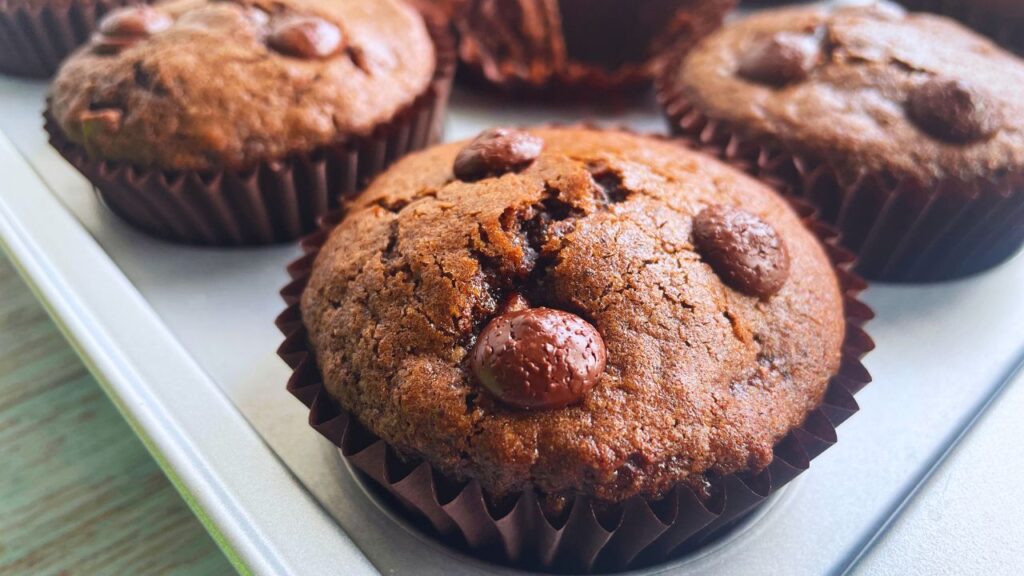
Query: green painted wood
79, 494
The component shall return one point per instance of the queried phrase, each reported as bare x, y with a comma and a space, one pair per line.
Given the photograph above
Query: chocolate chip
743, 249
953, 111
495, 152
538, 358
781, 59
111, 44
126, 26
305, 37
138, 21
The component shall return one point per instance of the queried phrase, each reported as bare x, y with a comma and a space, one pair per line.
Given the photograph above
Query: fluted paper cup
35, 39
591, 536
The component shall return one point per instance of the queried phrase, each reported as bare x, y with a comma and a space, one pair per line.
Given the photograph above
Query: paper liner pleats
591, 536
898, 229
275, 201
567, 78
35, 39
1006, 29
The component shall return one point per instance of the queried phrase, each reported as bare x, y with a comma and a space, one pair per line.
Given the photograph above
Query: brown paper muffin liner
1002, 28
590, 537
34, 40
573, 82
578, 79
898, 229
275, 201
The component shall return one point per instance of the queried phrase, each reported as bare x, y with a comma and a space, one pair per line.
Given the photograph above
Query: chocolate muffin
1001, 20
573, 313
581, 44
903, 129
214, 88
36, 35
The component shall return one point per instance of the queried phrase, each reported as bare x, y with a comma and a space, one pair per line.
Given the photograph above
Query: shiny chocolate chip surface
744, 250
538, 358
126, 26
953, 110
781, 59
495, 152
308, 37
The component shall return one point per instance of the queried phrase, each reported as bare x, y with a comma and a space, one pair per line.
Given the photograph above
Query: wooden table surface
79, 494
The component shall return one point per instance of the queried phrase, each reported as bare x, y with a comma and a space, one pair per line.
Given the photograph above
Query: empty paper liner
898, 229
590, 536
35, 39
275, 201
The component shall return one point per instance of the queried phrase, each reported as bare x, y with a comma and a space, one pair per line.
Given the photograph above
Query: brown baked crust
701, 380
851, 109
537, 43
209, 92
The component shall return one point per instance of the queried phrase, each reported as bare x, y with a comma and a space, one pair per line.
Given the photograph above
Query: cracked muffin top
575, 310
203, 84
869, 89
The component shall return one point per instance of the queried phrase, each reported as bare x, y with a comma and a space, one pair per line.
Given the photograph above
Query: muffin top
204, 84
572, 41
870, 89
576, 310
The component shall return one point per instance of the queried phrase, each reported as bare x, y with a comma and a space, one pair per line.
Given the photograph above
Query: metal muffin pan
183, 340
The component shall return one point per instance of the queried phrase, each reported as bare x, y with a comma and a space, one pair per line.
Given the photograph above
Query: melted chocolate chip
138, 21
538, 358
953, 111
126, 26
495, 152
112, 44
743, 249
780, 59
305, 37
